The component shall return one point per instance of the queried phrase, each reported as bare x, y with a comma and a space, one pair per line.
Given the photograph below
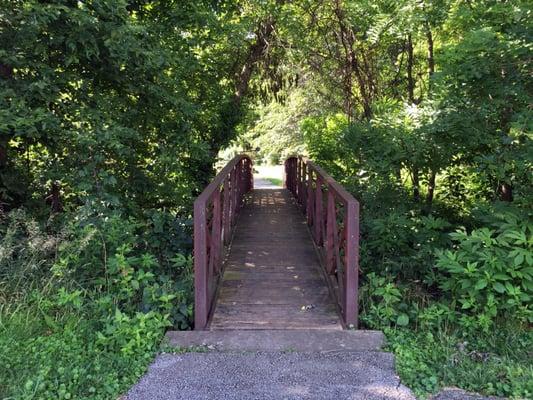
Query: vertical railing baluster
331, 226
226, 212
310, 197
300, 179
216, 232
318, 211
233, 195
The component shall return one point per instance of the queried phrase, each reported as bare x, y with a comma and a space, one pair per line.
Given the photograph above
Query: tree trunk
6, 71
352, 65
410, 64
54, 198
431, 59
505, 192
431, 187
416, 184
255, 54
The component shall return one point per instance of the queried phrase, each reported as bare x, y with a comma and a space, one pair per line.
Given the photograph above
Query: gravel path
356, 376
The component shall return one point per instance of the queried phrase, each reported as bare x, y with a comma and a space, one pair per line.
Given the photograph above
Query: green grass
275, 181
498, 363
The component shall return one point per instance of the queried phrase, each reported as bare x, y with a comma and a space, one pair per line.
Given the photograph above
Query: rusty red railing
215, 212
333, 218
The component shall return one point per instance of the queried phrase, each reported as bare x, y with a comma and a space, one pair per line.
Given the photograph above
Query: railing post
351, 262
226, 212
331, 226
310, 197
200, 263
303, 186
318, 211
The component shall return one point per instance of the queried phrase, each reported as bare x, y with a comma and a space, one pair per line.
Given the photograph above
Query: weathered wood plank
272, 276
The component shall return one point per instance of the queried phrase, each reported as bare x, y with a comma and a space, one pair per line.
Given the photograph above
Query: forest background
115, 114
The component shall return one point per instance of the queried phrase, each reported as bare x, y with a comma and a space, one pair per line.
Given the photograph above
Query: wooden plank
309, 284
297, 296
303, 277
263, 316
263, 267
272, 276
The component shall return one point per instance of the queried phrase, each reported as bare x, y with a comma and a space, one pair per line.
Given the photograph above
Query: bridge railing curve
333, 217
215, 212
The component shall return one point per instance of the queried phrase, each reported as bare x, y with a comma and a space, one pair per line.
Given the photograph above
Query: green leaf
519, 259
502, 277
481, 284
403, 320
499, 287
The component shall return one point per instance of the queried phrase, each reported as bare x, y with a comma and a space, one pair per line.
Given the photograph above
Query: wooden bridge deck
272, 277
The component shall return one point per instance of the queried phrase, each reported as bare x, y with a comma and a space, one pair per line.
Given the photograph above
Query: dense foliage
112, 114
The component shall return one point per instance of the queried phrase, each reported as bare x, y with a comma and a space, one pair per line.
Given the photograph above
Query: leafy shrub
403, 244
382, 302
75, 360
489, 273
321, 136
92, 304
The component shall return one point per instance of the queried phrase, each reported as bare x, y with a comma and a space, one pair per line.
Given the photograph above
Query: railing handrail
218, 180
338, 189
339, 251
215, 211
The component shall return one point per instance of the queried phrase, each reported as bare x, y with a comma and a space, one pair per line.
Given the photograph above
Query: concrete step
309, 341
273, 375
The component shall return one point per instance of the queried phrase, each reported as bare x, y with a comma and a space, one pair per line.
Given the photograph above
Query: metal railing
215, 212
333, 218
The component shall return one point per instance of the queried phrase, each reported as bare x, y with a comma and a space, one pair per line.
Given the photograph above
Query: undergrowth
496, 364
84, 307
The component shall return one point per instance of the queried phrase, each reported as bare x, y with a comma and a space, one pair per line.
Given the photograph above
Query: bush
489, 273
402, 244
74, 359
87, 306
381, 302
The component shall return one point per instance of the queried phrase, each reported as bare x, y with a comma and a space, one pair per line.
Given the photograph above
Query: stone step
309, 341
